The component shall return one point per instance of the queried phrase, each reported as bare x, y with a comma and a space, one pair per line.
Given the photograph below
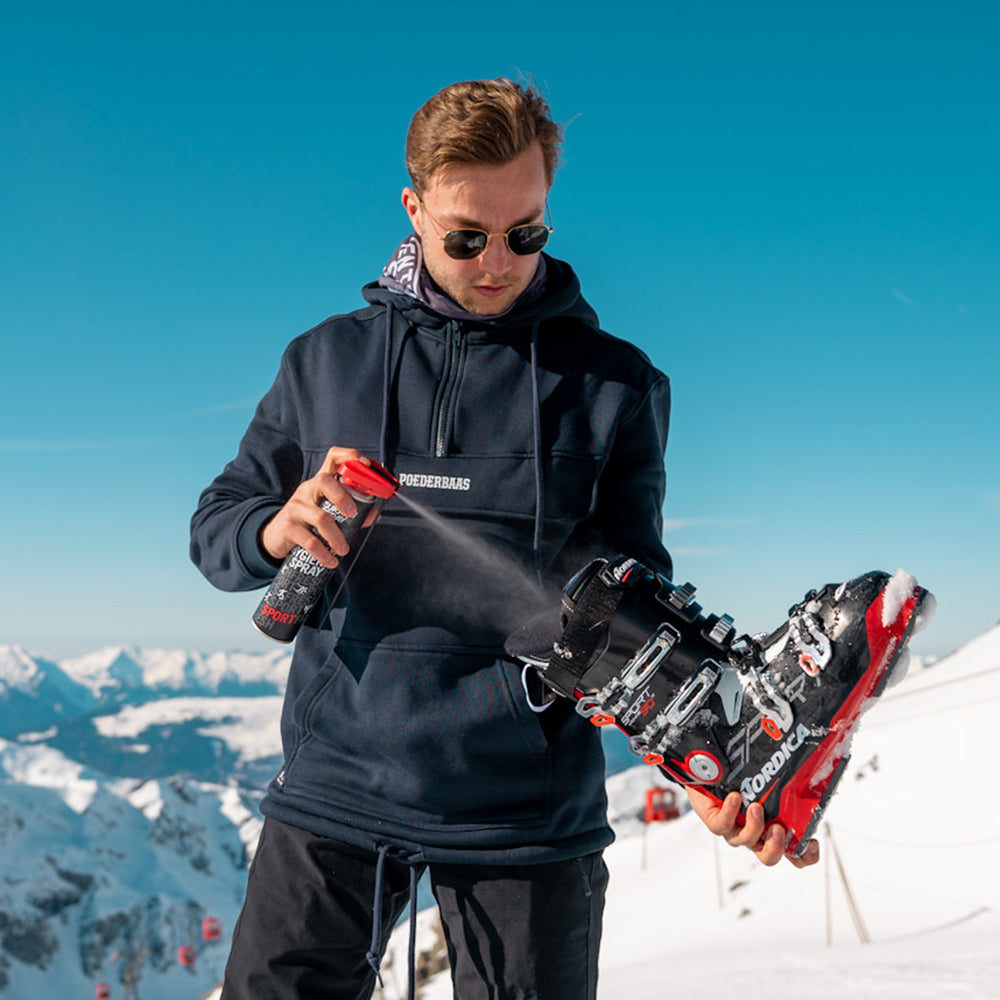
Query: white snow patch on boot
838, 750
897, 592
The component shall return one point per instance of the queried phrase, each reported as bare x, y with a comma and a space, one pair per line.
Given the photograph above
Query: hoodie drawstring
383, 444
390, 374
414, 860
539, 465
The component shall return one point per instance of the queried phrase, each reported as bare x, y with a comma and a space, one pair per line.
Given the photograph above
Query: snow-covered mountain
129, 781
37, 692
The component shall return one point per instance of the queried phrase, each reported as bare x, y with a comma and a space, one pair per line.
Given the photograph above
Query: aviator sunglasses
465, 244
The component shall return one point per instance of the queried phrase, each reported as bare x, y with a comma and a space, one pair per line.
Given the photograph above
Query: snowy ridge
161, 670
35, 693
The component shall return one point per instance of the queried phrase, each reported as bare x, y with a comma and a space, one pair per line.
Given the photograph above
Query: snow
254, 732
249, 824
250, 726
898, 591
39, 737
148, 799
164, 669
17, 668
43, 767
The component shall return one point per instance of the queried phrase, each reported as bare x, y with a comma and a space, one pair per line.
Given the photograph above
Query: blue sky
792, 208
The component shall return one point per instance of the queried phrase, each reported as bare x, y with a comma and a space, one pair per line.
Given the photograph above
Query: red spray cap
374, 480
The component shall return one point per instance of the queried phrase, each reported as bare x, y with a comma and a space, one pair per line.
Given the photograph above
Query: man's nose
496, 258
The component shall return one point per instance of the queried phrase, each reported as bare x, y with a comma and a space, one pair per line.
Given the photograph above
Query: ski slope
918, 834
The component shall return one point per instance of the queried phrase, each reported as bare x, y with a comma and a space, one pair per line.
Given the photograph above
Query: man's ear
411, 202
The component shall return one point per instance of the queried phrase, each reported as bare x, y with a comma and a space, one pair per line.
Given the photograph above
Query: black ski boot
770, 716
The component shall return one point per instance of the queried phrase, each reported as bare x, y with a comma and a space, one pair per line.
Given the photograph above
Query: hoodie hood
408, 289
405, 272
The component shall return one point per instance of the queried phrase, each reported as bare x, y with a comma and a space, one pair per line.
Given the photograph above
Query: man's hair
483, 122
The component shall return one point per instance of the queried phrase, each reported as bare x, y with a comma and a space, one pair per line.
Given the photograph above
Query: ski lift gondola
211, 929
186, 955
661, 805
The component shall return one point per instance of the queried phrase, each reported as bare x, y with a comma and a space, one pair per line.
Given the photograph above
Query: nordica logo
752, 787
422, 482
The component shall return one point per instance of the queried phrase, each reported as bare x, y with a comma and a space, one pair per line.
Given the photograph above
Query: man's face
494, 199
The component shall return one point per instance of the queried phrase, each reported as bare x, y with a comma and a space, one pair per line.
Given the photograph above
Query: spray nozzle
374, 480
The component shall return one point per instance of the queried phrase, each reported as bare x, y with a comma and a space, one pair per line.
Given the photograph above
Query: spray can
302, 578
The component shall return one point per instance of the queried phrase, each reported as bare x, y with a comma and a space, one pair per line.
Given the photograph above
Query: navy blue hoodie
540, 439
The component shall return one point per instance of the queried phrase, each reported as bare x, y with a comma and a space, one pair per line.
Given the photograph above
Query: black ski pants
522, 932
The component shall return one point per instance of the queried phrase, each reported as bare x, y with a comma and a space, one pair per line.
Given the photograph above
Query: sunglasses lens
524, 240
464, 244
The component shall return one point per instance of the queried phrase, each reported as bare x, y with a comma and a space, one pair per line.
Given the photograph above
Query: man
479, 375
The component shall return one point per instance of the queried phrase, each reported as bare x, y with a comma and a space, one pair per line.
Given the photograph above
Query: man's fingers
767, 844
770, 847
749, 833
320, 552
318, 531
304, 523
723, 818
718, 817
324, 486
729, 812
336, 457
810, 857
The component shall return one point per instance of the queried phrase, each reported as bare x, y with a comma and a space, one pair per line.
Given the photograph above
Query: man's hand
294, 523
767, 845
